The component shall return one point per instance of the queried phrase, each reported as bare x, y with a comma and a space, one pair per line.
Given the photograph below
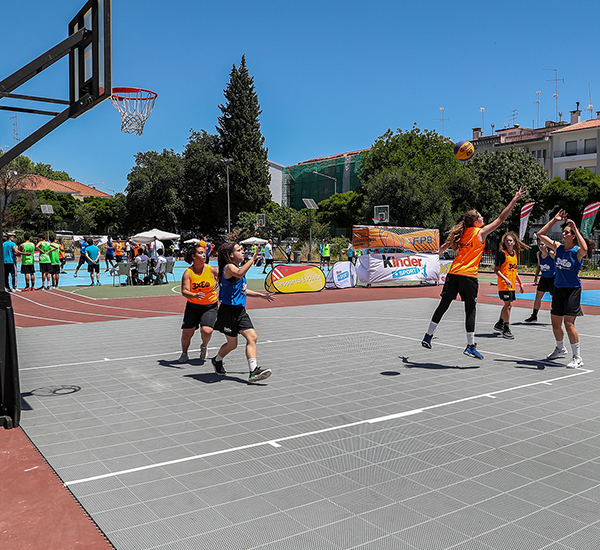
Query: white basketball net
134, 106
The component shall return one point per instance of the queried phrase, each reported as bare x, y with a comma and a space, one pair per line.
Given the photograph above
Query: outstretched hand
561, 215
521, 193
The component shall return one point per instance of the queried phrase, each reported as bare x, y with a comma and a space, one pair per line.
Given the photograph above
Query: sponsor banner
341, 275
588, 218
289, 279
525, 212
444, 270
386, 268
369, 237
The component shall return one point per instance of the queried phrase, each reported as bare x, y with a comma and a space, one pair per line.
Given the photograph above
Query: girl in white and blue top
232, 317
566, 301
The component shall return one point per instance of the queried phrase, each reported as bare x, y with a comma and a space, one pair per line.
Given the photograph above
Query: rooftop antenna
538, 108
514, 115
556, 80
16, 138
442, 119
590, 107
482, 111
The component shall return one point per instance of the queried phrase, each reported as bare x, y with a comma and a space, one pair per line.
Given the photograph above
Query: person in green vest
44, 248
27, 262
325, 255
54, 262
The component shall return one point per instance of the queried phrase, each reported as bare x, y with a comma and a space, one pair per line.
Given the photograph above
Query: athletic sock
576, 349
470, 338
218, 358
432, 327
560, 344
535, 312
252, 364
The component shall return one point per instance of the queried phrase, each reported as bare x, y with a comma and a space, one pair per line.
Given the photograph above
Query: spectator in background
10, 250
268, 255
82, 259
27, 262
109, 257
92, 255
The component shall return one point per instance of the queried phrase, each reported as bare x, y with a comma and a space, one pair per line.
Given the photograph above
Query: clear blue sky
331, 76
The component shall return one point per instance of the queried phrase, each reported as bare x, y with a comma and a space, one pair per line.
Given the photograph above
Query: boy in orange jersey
468, 239
198, 286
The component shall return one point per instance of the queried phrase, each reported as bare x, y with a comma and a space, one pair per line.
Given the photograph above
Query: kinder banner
587, 220
386, 268
341, 275
525, 212
289, 279
417, 240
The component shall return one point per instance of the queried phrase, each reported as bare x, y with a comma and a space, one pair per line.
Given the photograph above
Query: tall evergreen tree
242, 141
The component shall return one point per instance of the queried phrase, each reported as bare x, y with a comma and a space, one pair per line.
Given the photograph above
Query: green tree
204, 190
573, 195
241, 140
497, 176
342, 210
417, 175
153, 191
46, 170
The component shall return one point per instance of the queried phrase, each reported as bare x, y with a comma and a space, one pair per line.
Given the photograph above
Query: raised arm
560, 216
487, 229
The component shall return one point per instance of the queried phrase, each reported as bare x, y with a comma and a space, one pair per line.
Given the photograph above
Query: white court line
166, 353
62, 295
277, 442
45, 319
77, 312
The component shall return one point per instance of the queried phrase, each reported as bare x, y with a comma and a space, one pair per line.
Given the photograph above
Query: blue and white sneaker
471, 351
426, 342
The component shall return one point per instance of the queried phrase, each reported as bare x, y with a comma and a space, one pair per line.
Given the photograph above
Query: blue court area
83, 278
588, 297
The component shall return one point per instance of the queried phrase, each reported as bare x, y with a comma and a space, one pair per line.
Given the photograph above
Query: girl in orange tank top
468, 239
198, 287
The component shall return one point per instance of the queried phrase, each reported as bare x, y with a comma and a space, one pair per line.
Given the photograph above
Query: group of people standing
226, 311
51, 261
559, 264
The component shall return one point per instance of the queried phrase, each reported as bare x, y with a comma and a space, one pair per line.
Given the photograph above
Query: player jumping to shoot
468, 239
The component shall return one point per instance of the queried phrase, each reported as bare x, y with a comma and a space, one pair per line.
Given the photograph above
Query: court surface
361, 439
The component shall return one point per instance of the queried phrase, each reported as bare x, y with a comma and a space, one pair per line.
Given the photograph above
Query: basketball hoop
134, 106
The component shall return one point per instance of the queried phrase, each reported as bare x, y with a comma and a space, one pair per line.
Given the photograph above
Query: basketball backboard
382, 212
90, 62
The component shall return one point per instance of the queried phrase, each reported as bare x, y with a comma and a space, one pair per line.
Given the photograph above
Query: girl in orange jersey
198, 286
468, 239
506, 271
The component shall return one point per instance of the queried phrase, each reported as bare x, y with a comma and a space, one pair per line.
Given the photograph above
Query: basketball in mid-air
464, 150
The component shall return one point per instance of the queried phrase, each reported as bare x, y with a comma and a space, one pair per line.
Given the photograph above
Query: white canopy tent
254, 240
146, 237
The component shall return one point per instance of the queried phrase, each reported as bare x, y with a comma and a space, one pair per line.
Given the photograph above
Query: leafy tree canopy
573, 195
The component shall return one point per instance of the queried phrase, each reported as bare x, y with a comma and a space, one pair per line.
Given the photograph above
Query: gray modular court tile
446, 454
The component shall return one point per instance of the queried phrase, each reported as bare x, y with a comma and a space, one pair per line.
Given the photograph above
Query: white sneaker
183, 358
558, 352
576, 362
203, 352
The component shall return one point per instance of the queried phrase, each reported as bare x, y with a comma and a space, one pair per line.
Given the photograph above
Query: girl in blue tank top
566, 301
232, 317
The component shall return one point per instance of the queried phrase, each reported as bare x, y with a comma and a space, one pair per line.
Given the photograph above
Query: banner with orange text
289, 279
395, 239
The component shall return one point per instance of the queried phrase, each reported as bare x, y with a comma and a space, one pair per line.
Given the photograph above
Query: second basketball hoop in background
134, 106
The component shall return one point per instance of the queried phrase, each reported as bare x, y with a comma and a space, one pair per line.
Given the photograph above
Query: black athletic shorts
566, 301
45, 268
93, 268
467, 287
546, 284
232, 319
27, 268
199, 315
54, 269
507, 295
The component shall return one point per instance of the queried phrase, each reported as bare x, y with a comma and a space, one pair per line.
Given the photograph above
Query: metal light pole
227, 163
311, 205
331, 178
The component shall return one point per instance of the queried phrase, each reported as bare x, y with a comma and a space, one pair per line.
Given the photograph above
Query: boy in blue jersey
232, 317
566, 301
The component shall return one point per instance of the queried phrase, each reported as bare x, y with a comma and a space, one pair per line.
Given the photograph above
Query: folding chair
122, 269
169, 270
142, 271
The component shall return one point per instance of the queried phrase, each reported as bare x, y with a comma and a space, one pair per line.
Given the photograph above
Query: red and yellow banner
423, 240
288, 279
